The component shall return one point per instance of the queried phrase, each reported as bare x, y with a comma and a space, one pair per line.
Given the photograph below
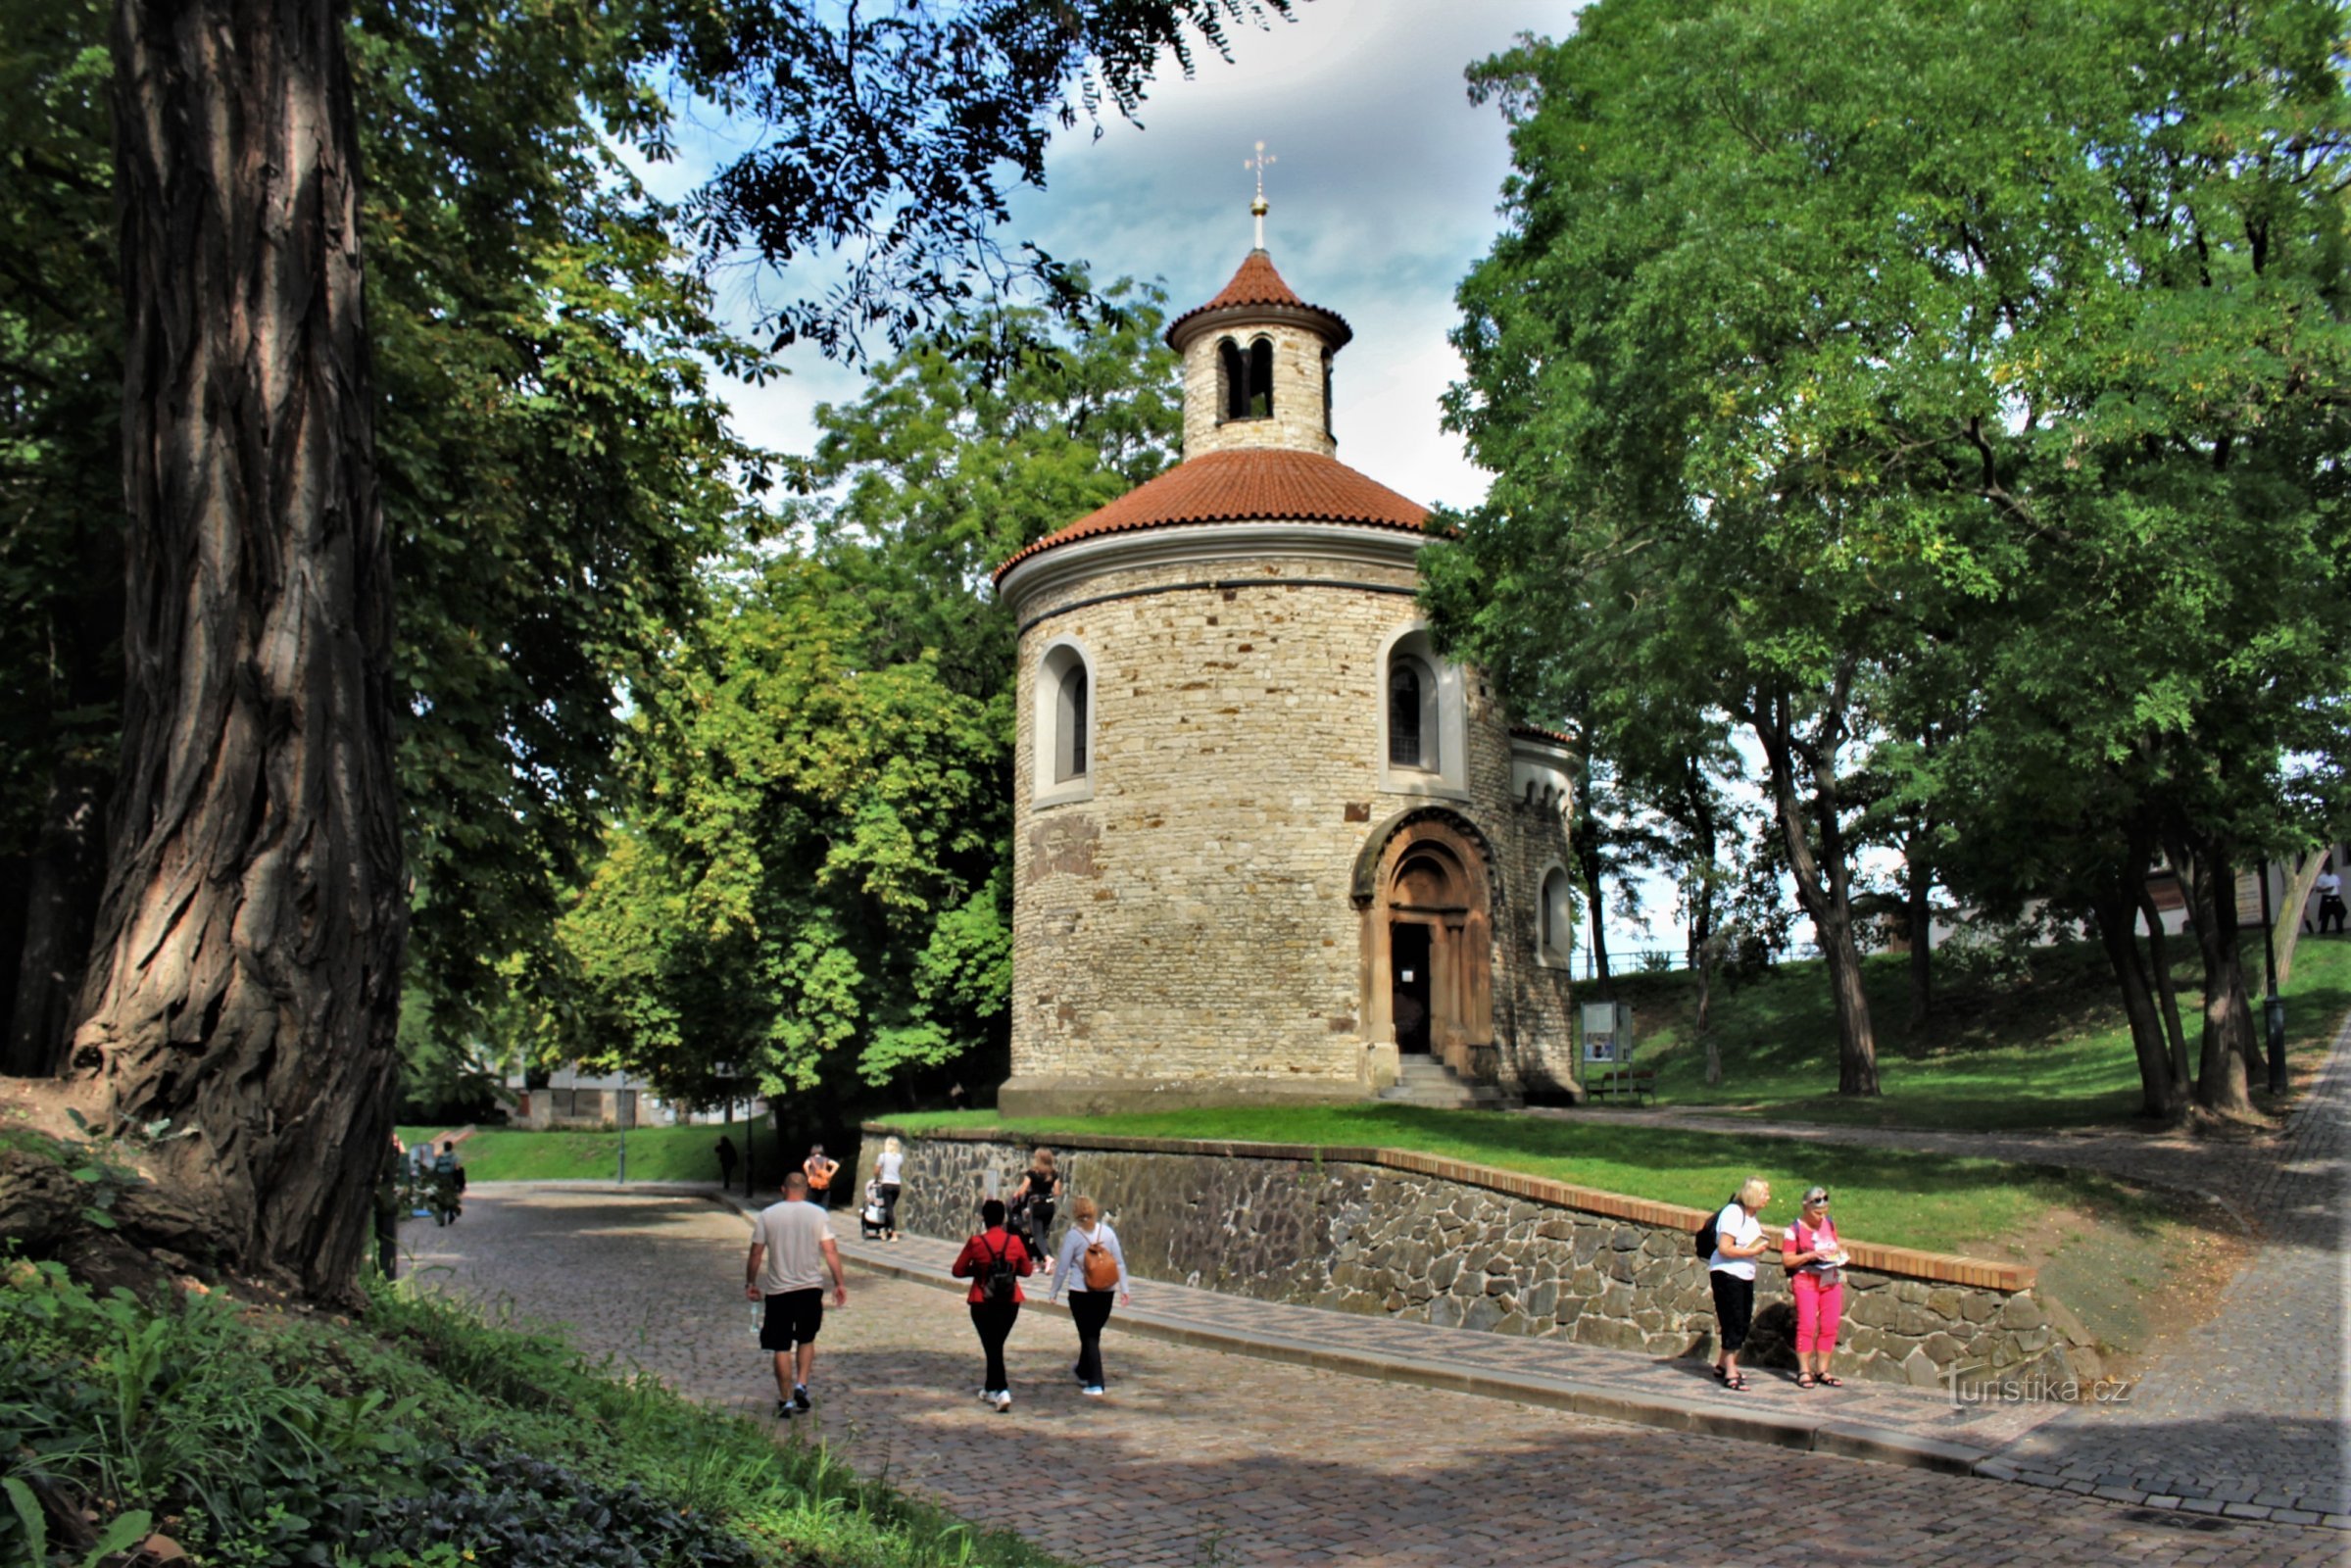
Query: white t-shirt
886, 1167
794, 1235
1741, 1229
2329, 884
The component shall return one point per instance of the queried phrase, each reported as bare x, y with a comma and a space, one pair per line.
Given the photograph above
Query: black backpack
998, 1281
1704, 1235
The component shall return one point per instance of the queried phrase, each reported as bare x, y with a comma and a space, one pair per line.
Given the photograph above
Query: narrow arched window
1232, 371
1326, 393
1553, 915
1406, 686
1064, 720
1260, 379
1069, 729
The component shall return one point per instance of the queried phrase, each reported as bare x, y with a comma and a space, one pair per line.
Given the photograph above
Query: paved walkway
2248, 1412
1200, 1456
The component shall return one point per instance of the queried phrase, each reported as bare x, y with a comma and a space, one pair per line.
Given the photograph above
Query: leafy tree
245, 963
61, 559
1934, 314
810, 877
810, 888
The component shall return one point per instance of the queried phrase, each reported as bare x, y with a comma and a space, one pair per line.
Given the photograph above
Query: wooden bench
1639, 1083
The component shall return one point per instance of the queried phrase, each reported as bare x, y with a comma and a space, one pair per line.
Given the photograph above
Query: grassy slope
1893, 1196
266, 1439
2051, 1052
655, 1154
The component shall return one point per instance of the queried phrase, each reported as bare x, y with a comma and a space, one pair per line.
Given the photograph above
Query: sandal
1737, 1384
1828, 1382
1804, 1380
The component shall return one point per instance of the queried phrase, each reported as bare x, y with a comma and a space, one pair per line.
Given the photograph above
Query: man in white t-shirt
791, 1251
2331, 900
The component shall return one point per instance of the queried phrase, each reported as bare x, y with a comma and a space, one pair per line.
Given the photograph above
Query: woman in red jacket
996, 1262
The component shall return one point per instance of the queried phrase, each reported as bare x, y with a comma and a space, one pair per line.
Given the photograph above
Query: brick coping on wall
1901, 1262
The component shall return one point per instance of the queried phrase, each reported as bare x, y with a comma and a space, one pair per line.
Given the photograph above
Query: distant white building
571, 1097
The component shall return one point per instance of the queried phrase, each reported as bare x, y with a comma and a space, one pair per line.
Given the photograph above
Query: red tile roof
1252, 484
1257, 285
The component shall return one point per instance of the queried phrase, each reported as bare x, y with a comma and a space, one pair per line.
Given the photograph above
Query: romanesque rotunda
1269, 845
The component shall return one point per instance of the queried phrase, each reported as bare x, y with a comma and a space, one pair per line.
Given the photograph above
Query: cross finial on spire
1257, 208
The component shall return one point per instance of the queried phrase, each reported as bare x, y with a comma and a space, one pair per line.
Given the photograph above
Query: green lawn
655, 1154
1899, 1197
2050, 1052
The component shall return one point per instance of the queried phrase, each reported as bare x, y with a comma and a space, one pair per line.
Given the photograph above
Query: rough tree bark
1823, 879
2286, 932
244, 977
2229, 1040
2161, 1095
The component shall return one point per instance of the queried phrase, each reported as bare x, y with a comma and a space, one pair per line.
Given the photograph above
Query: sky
1384, 187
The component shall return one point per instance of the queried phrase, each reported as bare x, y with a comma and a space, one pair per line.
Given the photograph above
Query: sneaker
988, 1395
799, 1396
783, 1410
1004, 1400
1094, 1391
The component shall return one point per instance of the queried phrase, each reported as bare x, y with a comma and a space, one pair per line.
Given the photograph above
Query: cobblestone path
2247, 1413
1204, 1457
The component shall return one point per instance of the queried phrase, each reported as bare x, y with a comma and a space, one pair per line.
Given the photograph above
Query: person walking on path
996, 1262
819, 1172
2332, 910
791, 1251
726, 1163
448, 1185
888, 1167
1730, 1271
1033, 1202
1815, 1263
1094, 1268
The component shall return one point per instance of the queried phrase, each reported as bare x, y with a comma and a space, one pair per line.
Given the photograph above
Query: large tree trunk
2160, 1094
1823, 879
2221, 1076
245, 980
2285, 933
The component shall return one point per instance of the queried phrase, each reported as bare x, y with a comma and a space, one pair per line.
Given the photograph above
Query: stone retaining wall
1437, 1240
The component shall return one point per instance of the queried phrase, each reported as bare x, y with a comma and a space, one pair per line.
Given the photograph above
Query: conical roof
1249, 484
1256, 290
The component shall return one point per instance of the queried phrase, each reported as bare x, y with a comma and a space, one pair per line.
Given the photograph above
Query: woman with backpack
1094, 1268
1730, 1270
996, 1262
1033, 1200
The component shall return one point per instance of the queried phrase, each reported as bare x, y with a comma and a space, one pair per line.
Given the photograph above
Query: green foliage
421, 1434
1971, 374
61, 495
811, 886
556, 468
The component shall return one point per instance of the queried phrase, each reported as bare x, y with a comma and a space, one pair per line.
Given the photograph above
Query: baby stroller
869, 1218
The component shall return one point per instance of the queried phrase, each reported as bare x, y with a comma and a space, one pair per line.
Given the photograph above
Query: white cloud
1383, 192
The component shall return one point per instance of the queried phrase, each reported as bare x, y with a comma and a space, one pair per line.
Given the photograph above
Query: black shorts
793, 1318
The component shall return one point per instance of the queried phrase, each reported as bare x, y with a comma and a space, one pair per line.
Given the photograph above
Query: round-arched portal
1428, 937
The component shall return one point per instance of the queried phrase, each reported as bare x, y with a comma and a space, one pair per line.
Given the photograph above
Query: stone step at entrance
1425, 1081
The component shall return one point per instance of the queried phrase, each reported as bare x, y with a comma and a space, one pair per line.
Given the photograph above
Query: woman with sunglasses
1815, 1263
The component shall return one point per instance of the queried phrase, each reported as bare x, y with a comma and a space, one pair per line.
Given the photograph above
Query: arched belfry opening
1425, 885
1247, 377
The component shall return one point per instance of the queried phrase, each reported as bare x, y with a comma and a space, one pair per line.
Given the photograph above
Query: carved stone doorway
1429, 917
